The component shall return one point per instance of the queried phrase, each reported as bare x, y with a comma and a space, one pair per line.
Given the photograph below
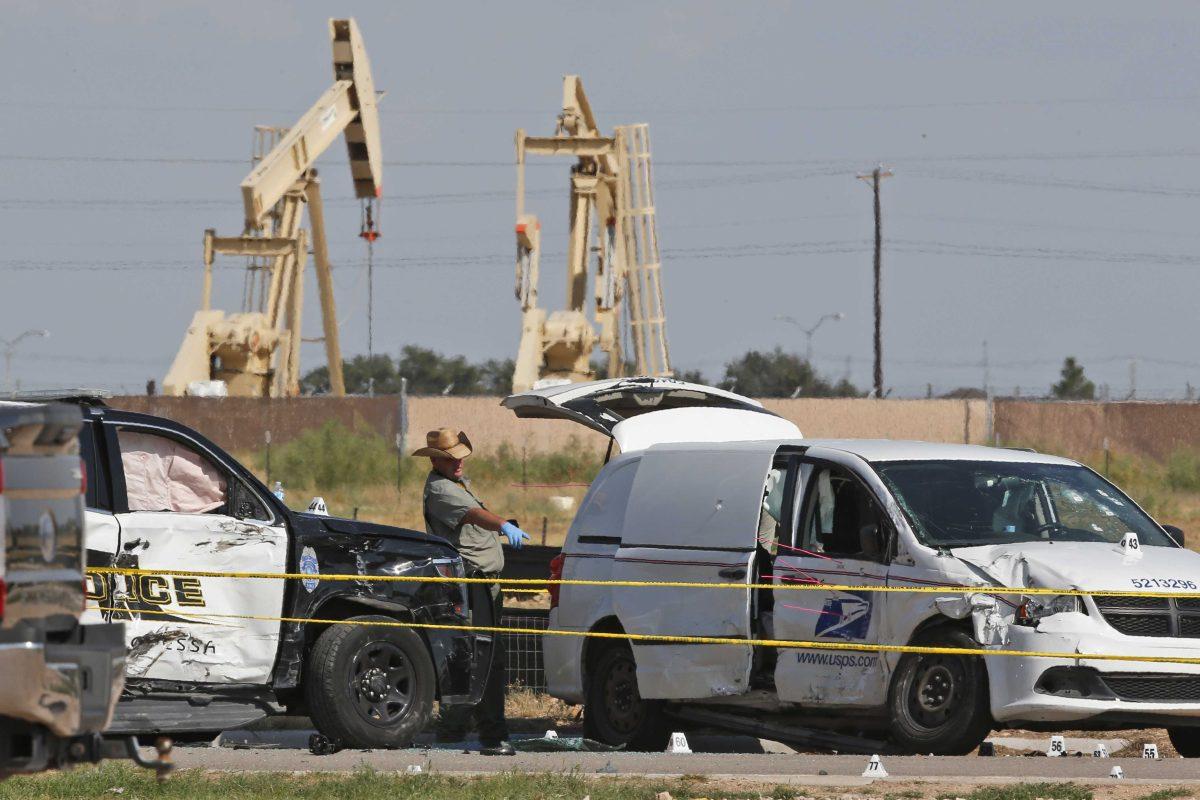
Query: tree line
756, 373
771, 373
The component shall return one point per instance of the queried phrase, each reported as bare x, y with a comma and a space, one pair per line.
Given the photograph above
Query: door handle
733, 573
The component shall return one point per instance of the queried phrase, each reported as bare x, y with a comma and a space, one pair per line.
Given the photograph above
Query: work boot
500, 748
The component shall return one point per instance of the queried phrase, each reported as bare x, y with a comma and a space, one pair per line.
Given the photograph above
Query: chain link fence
523, 651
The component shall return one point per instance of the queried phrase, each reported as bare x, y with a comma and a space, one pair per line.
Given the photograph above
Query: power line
75, 107
845, 161
736, 251
415, 199
1058, 183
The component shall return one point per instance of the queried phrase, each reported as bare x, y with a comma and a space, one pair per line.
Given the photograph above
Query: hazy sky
1047, 176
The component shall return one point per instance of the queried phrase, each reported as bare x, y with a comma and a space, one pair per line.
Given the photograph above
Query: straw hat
445, 443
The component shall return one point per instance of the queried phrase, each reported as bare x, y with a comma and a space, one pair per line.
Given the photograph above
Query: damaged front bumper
1035, 689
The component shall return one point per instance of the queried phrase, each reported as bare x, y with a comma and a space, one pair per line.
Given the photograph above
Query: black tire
939, 703
1186, 741
369, 687
614, 712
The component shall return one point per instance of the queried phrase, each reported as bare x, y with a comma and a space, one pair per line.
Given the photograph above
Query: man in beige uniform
453, 512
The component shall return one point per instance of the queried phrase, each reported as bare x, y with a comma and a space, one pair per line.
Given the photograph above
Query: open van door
692, 517
640, 412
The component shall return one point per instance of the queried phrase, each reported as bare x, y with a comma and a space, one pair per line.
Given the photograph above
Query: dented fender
347, 547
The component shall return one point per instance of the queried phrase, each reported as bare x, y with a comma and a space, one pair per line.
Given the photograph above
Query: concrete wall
1078, 430
240, 423
924, 420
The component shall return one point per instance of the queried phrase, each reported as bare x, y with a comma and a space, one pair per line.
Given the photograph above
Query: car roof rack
81, 396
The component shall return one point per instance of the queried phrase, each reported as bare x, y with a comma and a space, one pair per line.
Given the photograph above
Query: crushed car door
180, 507
842, 538
692, 519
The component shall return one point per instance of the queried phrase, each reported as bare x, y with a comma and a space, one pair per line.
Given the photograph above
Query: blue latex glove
516, 537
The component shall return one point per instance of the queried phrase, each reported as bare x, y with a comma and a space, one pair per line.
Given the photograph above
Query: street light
10, 345
808, 332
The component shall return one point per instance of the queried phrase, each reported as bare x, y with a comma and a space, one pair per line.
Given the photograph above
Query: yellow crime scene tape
664, 639
542, 582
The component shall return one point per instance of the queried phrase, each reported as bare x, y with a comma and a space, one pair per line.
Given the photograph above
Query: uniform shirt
446, 502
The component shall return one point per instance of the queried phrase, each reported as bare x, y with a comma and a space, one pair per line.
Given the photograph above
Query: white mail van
708, 487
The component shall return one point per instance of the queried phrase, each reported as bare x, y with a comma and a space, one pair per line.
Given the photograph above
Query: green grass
1027, 791
119, 780
1166, 794
129, 783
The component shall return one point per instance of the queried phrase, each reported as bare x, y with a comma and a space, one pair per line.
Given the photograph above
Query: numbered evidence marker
551, 734
875, 769
1150, 750
1117, 772
1058, 746
1100, 750
317, 506
679, 744
413, 769
1130, 544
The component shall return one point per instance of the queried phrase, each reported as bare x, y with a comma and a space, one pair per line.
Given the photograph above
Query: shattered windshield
966, 503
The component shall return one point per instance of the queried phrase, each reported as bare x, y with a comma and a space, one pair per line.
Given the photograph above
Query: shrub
1183, 470
333, 456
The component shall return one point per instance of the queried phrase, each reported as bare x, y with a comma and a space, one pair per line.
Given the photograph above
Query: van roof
885, 450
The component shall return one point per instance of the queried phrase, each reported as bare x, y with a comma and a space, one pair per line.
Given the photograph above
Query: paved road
287, 751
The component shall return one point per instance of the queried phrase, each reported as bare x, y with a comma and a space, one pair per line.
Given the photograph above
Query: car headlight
1042, 606
450, 567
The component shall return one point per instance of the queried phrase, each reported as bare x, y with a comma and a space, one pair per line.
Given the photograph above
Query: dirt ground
1135, 737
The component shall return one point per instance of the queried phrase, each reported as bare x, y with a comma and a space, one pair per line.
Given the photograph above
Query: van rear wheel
614, 712
939, 703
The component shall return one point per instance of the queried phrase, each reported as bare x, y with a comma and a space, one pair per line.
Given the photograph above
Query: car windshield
966, 503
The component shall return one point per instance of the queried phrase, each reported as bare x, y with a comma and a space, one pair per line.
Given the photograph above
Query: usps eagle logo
847, 616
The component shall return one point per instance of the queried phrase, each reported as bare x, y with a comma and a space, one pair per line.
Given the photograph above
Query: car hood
1086, 566
363, 528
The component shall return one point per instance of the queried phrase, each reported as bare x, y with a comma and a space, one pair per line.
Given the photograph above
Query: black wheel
369, 686
1186, 741
939, 703
614, 712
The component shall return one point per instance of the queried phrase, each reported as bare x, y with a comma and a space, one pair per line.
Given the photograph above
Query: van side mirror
1175, 533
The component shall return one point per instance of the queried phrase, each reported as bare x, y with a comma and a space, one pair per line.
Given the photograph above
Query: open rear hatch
640, 412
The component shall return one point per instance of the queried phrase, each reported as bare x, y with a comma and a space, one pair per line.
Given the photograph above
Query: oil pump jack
612, 218
256, 353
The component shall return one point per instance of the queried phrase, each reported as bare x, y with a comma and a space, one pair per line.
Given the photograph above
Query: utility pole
987, 371
874, 177
987, 393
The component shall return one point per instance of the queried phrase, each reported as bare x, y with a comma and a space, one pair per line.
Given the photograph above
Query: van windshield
969, 503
